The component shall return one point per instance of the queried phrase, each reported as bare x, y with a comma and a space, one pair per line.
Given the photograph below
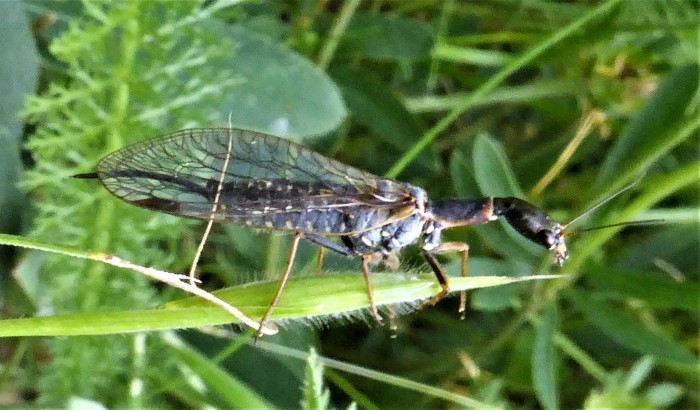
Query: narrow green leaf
470, 55
544, 358
316, 395
654, 288
628, 330
303, 297
654, 129
512, 94
638, 373
232, 391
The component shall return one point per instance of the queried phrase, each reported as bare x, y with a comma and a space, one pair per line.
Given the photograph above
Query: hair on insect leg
391, 261
365, 261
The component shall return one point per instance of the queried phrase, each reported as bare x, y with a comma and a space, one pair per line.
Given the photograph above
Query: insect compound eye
553, 240
547, 238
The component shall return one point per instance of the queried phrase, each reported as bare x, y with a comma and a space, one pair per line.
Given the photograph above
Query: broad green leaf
462, 176
493, 171
279, 91
18, 72
675, 243
495, 177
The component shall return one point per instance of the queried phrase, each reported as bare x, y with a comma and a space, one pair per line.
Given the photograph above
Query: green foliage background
463, 98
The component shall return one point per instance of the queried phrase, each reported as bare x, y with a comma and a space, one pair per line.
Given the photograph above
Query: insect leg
440, 275
283, 280
365, 274
214, 207
348, 251
330, 244
463, 249
319, 259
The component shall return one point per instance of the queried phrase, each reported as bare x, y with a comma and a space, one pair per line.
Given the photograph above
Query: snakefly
263, 181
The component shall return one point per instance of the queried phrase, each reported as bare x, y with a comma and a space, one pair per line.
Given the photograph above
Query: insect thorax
393, 236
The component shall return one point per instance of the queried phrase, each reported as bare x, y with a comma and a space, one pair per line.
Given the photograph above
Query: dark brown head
534, 224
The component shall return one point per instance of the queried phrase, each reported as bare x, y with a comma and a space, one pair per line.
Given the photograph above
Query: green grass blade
303, 297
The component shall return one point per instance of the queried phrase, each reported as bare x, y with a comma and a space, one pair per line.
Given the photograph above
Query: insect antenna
626, 223
601, 203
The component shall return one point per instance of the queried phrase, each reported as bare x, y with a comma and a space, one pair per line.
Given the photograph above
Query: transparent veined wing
268, 182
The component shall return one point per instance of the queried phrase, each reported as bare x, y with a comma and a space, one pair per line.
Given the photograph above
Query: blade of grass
171, 279
304, 297
497, 79
402, 382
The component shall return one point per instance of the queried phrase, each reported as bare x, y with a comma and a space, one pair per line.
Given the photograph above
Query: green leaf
18, 71
374, 104
279, 91
473, 56
233, 392
638, 373
316, 395
675, 242
303, 297
462, 176
628, 330
654, 288
664, 394
654, 129
493, 171
495, 177
544, 358
614, 396
380, 36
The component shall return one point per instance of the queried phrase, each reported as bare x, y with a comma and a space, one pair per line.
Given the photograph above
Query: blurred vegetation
562, 103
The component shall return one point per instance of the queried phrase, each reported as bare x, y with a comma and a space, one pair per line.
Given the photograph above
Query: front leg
463, 249
441, 278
